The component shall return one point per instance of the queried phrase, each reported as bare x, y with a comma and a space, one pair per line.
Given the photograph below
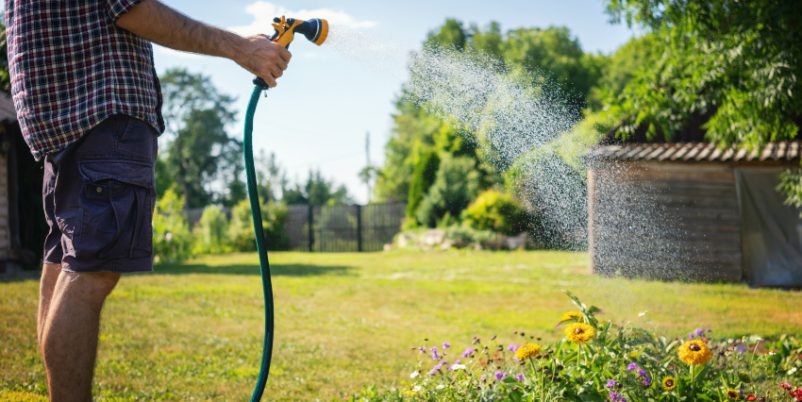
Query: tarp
771, 232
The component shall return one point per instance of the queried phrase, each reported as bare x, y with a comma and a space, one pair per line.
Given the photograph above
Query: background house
693, 211
22, 225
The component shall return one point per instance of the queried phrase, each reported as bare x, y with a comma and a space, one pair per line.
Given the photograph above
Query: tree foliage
317, 190
5, 78
733, 68
551, 55
200, 154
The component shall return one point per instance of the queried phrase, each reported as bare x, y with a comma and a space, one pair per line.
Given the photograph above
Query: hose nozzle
315, 30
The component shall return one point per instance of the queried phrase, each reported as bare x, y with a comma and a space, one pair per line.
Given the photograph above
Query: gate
343, 227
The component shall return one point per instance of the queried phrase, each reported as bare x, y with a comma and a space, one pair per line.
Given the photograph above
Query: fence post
358, 228
310, 220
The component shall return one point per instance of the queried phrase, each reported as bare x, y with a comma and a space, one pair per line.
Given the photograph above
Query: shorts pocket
117, 203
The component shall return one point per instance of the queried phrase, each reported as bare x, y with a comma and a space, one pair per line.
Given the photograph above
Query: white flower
414, 374
792, 371
416, 388
455, 367
439, 387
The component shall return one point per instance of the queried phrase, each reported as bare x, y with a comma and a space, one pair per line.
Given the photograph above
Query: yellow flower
733, 394
695, 352
634, 354
527, 350
579, 332
571, 316
669, 383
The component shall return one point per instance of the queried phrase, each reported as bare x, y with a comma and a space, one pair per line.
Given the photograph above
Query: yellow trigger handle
285, 32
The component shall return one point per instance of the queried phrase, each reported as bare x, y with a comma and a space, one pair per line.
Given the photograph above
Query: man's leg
71, 333
46, 285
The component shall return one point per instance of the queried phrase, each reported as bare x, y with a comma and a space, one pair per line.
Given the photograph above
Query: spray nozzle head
315, 30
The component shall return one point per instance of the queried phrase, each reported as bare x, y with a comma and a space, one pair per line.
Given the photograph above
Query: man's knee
97, 285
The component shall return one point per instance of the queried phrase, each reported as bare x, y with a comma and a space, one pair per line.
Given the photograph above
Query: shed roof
697, 152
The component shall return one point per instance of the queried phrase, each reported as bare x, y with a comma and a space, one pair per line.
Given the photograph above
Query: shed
22, 225
694, 211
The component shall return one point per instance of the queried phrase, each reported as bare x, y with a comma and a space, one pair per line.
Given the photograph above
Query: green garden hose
264, 264
315, 30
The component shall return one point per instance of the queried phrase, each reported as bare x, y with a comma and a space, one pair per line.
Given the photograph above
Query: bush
601, 361
456, 184
172, 241
422, 179
496, 211
211, 232
240, 231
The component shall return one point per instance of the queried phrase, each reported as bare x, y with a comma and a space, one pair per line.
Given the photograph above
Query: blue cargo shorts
99, 195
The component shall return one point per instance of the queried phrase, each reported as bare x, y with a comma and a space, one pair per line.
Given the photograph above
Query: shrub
240, 231
172, 241
422, 179
456, 184
601, 361
496, 211
211, 232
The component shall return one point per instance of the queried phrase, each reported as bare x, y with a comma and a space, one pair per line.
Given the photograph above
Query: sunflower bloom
527, 350
695, 352
579, 332
571, 316
733, 394
669, 383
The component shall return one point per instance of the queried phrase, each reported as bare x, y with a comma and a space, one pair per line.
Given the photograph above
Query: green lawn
193, 332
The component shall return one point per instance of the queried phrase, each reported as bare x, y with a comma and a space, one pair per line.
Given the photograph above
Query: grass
194, 331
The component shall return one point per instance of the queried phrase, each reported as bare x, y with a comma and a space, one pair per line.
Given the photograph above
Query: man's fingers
276, 71
285, 55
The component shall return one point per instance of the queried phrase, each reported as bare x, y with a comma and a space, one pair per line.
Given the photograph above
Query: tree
732, 70
734, 66
5, 78
526, 54
200, 153
317, 190
456, 184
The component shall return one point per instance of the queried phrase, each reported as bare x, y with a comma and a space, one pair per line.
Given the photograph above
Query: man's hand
161, 24
263, 58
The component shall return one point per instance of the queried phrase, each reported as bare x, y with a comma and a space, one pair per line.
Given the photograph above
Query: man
88, 102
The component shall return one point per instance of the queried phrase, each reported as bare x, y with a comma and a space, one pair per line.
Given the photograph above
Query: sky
328, 99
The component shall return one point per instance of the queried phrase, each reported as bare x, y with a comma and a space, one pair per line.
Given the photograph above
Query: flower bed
601, 361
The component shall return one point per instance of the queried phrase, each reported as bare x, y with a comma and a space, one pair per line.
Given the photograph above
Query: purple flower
616, 397
500, 375
446, 345
435, 355
512, 348
645, 380
740, 348
690, 336
611, 384
709, 330
468, 353
632, 366
700, 332
438, 368
422, 349
519, 377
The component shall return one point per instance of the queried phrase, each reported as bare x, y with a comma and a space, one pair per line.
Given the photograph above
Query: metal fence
343, 227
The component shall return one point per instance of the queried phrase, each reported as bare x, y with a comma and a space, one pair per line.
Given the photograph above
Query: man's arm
161, 24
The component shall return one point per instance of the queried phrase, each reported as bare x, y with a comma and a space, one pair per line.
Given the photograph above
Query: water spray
316, 31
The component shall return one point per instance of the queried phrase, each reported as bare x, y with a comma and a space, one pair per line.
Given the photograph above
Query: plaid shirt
71, 67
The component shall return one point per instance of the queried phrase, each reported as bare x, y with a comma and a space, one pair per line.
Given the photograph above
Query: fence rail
343, 227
